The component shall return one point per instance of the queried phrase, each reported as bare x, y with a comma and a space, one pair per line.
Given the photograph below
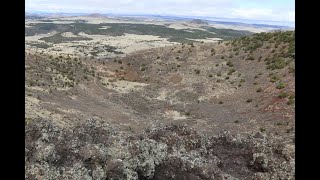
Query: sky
264, 10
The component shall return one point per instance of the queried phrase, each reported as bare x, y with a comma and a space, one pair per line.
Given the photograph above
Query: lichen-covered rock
94, 150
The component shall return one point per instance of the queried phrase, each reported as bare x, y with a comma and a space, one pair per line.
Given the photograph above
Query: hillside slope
241, 86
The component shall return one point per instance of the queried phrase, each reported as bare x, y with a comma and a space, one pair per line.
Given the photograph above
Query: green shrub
283, 95
229, 63
292, 96
262, 129
242, 80
250, 58
291, 101
277, 63
281, 85
143, 68
231, 71
274, 79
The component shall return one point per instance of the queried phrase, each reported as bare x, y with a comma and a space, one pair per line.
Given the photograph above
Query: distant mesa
199, 21
95, 15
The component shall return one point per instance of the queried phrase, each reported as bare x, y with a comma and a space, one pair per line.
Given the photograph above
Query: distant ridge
96, 15
199, 21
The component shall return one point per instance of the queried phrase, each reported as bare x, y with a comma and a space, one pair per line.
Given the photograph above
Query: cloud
213, 8
263, 14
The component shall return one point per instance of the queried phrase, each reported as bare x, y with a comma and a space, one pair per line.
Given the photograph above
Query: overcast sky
271, 10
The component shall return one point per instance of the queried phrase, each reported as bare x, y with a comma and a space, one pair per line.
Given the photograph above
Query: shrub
178, 65
291, 101
249, 101
158, 57
242, 80
281, 85
259, 89
283, 95
222, 57
255, 83
177, 57
219, 74
236, 121
120, 62
292, 69
250, 58
218, 80
277, 63
292, 96
217, 65
187, 113
256, 76
210, 75
143, 68
262, 129
274, 79
220, 102
128, 64
231, 71
227, 77
229, 63
197, 71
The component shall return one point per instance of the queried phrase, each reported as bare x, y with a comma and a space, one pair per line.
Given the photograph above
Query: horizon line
259, 21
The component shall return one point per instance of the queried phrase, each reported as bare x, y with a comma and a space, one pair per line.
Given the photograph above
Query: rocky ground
95, 150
